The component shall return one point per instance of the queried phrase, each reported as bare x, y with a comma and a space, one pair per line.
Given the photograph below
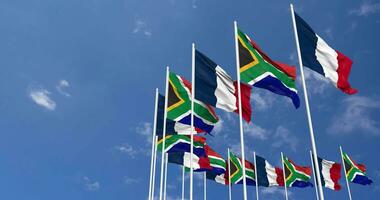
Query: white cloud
366, 8
284, 137
262, 100
41, 97
218, 127
145, 129
356, 116
256, 131
127, 149
142, 27
91, 185
62, 84
316, 83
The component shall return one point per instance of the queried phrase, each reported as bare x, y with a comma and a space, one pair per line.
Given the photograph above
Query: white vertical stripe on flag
186, 160
225, 91
328, 58
326, 167
271, 174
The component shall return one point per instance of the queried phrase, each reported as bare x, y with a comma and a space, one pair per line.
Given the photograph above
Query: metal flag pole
153, 144
240, 111
313, 146
192, 118
229, 175
283, 171
183, 182
204, 186
166, 174
314, 169
164, 132
154, 166
345, 175
256, 178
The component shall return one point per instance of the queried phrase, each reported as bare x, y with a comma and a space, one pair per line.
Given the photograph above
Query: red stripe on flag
306, 170
335, 175
245, 100
280, 176
344, 68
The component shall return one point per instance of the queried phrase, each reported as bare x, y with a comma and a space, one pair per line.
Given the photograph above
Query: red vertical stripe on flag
344, 68
280, 176
335, 175
245, 100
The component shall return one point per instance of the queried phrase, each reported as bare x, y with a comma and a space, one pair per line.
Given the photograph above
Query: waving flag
321, 58
172, 127
215, 87
330, 174
295, 175
355, 172
237, 171
179, 105
183, 158
181, 143
217, 163
267, 175
219, 178
259, 70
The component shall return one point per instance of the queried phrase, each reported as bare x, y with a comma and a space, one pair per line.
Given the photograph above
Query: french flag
267, 175
215, 87
330, 173
183, 158
319, 56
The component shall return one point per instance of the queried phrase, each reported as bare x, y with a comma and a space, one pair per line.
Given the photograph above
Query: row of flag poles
188, 109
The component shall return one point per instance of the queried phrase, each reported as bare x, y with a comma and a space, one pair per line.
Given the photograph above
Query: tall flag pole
256, 178
229, 172
164, 132
240, 111
154, 166
344, 168
166, 174
283, 171
204, 186
192, 117
314, 169
153, 145
183, 182
313, 146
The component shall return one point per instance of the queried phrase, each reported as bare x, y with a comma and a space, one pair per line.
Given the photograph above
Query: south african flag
355, 172
295, 175
237, 171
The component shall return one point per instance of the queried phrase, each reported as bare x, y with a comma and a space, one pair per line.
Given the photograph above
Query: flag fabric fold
183, 158
320, 57
330, 174
295, 175
218, 164
355, 172
236, 168
215, 87
258, 70
267, 175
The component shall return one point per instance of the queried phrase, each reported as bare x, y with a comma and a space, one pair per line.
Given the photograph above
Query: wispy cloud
262, 100
355, 115
127, 149
274, 190
62, 85
91, 185
142, 27
316, 83
145, 129
283, 137
41, 97
366, 8
130, 180
256, 131
194, 4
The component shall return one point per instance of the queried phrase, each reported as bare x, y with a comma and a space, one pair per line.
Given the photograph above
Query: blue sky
77, 88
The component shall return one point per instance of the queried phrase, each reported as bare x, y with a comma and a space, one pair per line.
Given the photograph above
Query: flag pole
313, 145
345, 175
314, 169
154, 166
204, 186
192, 117
283, 171
240, 111
229, 173
153, 144
183, 182
256, 178
164, 132
166, 174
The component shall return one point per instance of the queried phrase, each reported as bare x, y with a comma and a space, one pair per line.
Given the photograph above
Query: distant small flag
236, 168
219, 178
295, 175
218, 164
182, 143
330, 174
321, 58
355, 172
183, 158
267, 175
179, 105
215, 87
257, 69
